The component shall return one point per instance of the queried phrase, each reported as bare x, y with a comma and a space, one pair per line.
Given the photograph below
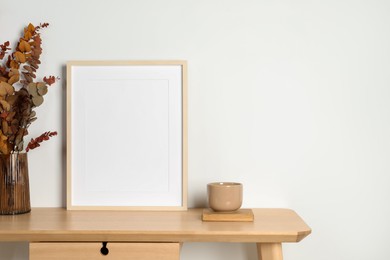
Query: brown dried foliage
20, 93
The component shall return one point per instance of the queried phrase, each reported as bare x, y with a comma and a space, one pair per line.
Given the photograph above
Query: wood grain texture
269, 251
116, 251
241, 215
58, 224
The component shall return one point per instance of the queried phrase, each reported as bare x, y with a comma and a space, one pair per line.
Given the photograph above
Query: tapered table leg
269, 251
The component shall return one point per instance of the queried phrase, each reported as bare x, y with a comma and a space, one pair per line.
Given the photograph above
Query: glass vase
14, 184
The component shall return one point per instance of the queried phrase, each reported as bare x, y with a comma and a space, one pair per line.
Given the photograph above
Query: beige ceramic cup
224, 196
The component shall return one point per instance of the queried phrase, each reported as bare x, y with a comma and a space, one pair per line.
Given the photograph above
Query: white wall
291, 98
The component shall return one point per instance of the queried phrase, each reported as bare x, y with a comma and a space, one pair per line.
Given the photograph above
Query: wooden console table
55, 233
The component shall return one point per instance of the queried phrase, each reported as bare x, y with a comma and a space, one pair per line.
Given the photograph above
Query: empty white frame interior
126, 138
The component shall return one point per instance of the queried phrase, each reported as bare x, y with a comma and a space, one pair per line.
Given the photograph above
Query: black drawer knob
104, 250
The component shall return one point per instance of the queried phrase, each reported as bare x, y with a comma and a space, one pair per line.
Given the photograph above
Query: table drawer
92, 251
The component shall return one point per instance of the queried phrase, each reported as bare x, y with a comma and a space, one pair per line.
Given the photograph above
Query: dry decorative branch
3, 49
20, 92
34, 143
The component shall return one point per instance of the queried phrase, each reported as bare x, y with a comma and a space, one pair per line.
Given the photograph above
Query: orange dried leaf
6, 89
30, 28
4, 147
27, 35
24, 46
19, 57
13, 72
13, 79
5, 127
14, 65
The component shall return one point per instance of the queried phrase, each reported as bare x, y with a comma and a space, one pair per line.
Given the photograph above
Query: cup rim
225, 184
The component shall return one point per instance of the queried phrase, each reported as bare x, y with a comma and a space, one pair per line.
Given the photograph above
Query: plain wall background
291, 98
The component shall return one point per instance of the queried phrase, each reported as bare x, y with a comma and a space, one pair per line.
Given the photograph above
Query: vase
14, 184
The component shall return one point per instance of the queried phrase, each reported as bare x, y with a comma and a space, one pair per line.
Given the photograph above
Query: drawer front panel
116, 251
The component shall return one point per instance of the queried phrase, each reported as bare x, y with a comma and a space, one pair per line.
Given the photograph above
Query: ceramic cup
224, 196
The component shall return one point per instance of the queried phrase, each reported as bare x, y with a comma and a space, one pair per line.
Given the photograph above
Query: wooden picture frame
127, 135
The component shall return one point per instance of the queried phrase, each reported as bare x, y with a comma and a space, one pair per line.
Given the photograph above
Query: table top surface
59, 224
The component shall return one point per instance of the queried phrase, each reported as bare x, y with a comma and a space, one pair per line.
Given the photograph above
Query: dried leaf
28, 68
19, 57
34, 64
24, 46
37, 100
11, 99
49, 80
4, 127
34, 143
13, 64
13, 72
3, 91
14, 130
20, 146
30, 28
6, 89
28, 56
41, 25
13, 79
3, 49
32, 89
41, 84
10, 116
32, 119
27, 35
42, 89
4, 146
19, 136
27, 77
29, 74
23, 82
5, 105
37, 40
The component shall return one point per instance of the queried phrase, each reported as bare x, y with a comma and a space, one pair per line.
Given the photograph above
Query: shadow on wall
199, 200
63, 135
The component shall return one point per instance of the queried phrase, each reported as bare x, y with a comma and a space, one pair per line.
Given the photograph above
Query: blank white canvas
126, 135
